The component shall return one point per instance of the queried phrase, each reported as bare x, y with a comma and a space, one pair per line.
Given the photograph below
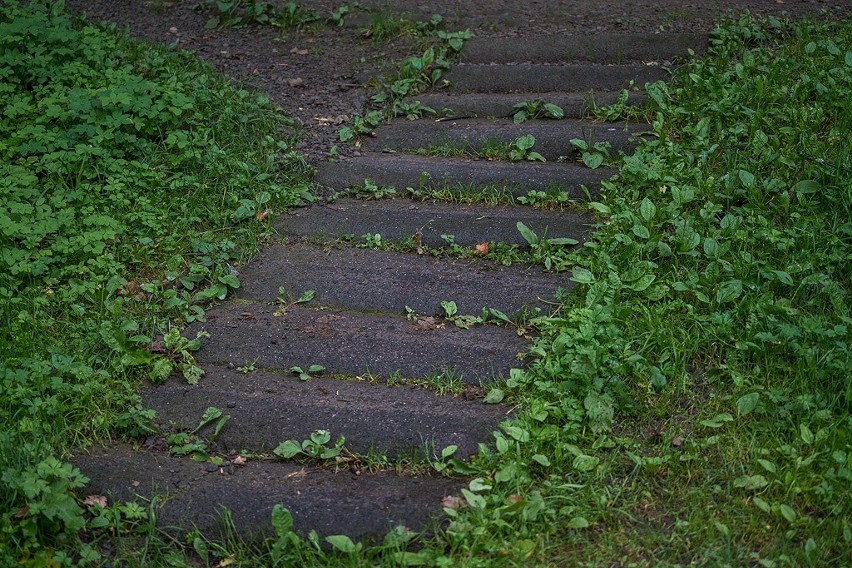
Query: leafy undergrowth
130, 179
688, 404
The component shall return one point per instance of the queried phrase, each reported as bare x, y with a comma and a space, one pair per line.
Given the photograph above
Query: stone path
376, 359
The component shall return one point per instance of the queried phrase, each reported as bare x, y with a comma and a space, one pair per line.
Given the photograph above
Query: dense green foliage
688, 403
129, 178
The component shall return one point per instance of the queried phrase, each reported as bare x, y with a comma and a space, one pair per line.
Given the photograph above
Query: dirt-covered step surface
267, 408
362, 279
604, 48
401, 171
361, 506
501, 105
541, 78
552, 137
356, 344
398, 219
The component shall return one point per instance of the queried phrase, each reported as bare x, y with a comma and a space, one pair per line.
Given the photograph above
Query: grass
688, 403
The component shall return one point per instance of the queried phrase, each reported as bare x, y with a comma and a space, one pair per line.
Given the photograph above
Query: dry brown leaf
514, 498
482, 248
678, 442
240, 460
261, 215
453, 502
96, 500
297, 51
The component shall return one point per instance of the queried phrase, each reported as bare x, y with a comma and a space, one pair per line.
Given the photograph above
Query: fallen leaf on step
239, 460
297, 82
482, 248
297, 51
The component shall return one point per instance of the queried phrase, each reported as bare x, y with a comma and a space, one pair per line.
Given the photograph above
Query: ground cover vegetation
133, 179
689, 402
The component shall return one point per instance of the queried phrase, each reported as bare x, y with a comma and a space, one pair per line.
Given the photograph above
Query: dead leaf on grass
261, 215
96, 500
514, 498
453, 502
678, 442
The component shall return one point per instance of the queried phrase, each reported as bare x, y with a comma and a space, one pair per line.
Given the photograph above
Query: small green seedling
536, 108
592, 155
314, 447
286, 303
521, 149
307, 375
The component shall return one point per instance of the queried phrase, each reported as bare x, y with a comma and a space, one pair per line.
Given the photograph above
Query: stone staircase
398, 388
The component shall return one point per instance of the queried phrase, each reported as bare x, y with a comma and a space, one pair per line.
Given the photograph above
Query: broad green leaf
554, 111
767, 465
751, 482
581, 275
729, 291
450, 308
584, 462
747, 178
230, 280
647, 209
762, 505
342, 543
577, 523
527, 233
599, 207
306, 297
478, 484
563, 241
717, 420
448, 451
541, 459
525, 142
641, 231
502, 444
316, 369
406, 558
747, 403
806, 434
593, 160
517, 433
787, 512
288, 449
643, 282
474, 500
494, 396
282, 520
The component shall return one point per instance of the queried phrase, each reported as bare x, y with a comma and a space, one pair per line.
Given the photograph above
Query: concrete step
606, 48
536, 78
354, 344
361, 279
476, 134
267, 408
191, 494
485, 105
402, 171
398, 219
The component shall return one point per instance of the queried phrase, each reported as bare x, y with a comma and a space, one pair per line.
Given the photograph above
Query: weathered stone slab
605, 47
536, 78
402, 171
267, 408
485, 105
361, 506
360, 279
398, 219
552, 137
354, 344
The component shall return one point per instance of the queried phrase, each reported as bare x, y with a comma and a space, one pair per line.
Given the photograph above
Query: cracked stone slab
267, 408
574, 105
552, 137
362, 279
351, 343
398, 219
604, 48
362, 506
402, 171
535, 78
